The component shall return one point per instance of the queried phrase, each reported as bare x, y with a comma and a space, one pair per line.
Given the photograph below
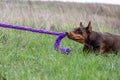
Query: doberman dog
97, 41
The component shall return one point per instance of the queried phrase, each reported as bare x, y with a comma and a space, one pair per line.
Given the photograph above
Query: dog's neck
91, 39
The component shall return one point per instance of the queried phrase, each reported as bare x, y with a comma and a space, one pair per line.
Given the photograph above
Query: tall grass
47, 14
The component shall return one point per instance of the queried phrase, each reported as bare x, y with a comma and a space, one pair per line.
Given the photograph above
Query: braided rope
60, 35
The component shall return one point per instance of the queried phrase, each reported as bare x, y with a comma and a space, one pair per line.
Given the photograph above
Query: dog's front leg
99, 49
102, 48
86, 48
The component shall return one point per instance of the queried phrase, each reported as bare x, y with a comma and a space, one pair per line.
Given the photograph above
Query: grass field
30, 56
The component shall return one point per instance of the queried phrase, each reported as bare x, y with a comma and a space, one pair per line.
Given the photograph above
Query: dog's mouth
76, 37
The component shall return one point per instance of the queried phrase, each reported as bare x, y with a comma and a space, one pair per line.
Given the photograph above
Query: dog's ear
81, 25
89, 27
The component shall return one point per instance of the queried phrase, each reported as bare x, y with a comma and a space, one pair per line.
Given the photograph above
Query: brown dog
96, 41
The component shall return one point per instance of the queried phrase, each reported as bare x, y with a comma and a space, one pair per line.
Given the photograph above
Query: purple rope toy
60, 35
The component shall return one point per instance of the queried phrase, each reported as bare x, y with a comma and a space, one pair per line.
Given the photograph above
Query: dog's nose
66, 33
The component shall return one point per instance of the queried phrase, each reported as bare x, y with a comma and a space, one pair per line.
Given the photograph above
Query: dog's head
81, 33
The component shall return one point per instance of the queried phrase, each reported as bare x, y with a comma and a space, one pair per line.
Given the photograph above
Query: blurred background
60, 15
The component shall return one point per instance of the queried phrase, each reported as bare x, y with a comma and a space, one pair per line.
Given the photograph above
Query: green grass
30, 56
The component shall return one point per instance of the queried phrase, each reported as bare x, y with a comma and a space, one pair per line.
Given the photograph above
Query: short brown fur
96, 41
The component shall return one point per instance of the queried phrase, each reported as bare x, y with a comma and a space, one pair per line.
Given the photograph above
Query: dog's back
112, 41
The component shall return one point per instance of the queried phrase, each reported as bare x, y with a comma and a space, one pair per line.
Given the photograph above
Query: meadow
30, 56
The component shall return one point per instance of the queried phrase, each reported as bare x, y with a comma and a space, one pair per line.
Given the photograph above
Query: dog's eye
78, 32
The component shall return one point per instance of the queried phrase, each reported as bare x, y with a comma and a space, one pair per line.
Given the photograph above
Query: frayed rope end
57, 44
